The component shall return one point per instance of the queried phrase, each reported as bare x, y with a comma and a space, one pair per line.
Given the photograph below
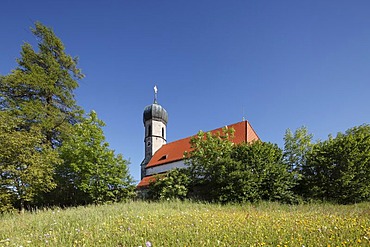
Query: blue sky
280, 64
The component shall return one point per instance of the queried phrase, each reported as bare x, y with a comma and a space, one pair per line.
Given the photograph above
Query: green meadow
190, 224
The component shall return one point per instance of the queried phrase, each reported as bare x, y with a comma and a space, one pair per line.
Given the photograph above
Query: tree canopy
224, 172
90, 171
338, 169
171, 185
296, 147
46, 142
26, 163
40, 89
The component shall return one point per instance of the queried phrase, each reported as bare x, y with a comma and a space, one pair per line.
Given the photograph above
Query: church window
163, 132
149, 130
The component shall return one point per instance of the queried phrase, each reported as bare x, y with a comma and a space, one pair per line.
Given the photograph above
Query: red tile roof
174, 151
145, 181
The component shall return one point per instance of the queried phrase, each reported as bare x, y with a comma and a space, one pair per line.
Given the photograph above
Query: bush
172, 185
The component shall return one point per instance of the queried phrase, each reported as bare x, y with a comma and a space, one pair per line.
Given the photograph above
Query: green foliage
36, 106
266, 175
40, 89
91, 172
296, 147
172, 185
26, 163
338, 169
6, 200
207, 162
224, 172
46, 144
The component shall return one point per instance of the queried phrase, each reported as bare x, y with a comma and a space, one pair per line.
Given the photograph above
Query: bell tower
155, 119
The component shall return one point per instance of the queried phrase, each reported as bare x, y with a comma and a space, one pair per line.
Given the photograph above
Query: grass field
190, 224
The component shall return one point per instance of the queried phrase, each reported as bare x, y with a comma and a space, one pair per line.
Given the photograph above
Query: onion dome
156, 112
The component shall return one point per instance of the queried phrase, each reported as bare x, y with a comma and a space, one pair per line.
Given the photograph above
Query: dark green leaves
338, 169
26, 163
224, 172
172, 185
45, 140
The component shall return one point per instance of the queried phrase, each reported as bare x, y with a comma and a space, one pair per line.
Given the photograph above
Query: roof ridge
228, 125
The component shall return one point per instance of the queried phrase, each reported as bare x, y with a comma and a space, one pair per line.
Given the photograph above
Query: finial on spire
155, 93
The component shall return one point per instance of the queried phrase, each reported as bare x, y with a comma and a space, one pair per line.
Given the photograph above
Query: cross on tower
155, 94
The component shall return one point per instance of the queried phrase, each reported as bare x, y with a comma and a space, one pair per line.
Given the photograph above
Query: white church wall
166, 167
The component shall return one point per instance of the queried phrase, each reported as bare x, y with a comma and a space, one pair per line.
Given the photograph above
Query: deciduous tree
91, 172
266, 177
207, 161
224, 172
296, 147
49, 127
338, 169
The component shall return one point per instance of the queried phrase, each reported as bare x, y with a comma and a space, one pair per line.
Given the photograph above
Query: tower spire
155, 93
155, 119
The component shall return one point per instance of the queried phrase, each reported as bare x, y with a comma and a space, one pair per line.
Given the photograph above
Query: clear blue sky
281, 64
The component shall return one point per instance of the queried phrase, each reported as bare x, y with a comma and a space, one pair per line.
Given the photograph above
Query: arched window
149, 130
163, 133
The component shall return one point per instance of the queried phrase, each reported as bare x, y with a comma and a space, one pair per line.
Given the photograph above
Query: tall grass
190, 224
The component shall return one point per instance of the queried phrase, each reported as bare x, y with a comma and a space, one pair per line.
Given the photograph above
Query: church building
161, 156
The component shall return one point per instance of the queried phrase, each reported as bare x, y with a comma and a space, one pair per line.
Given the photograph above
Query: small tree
171, 185
296, 148
91, 172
